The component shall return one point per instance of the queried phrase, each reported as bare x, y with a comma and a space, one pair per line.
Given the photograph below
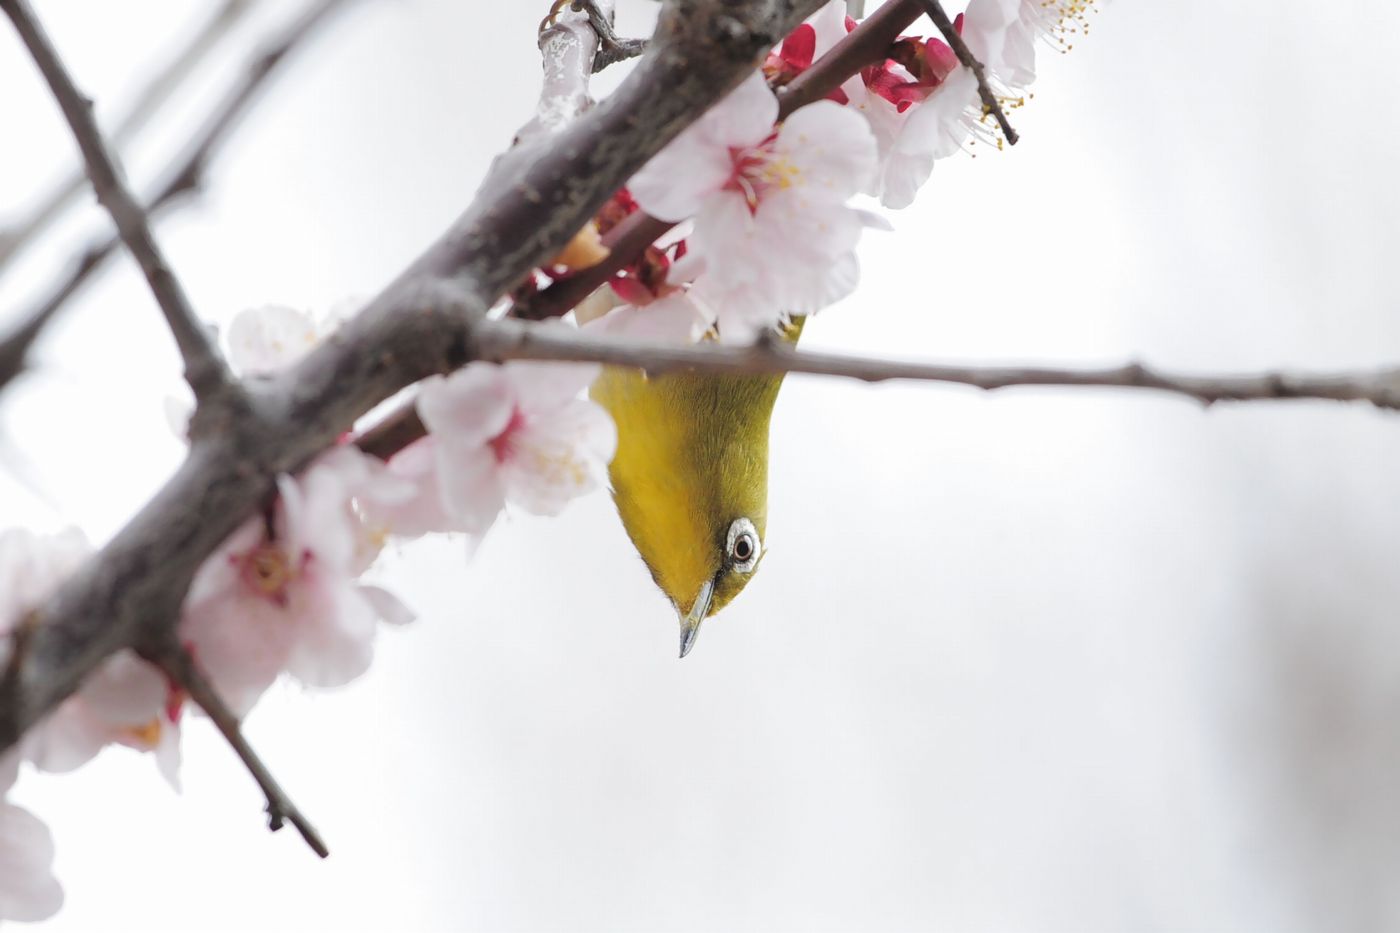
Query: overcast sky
1047, 660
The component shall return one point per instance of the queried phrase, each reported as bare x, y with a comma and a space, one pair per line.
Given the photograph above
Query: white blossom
773, 233
517, 432
286, 598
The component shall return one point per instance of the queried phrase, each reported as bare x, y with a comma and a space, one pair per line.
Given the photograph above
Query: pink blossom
517, 432
265, 339
117, 703
773, 232
126, 701
282, 595
29, 891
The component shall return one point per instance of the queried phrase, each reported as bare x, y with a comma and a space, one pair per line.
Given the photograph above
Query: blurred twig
180, 668
507, 339
185, 176
205, 369
149, 99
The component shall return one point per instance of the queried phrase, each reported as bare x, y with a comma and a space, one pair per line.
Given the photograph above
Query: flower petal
542, 387
833, 148
264, 340
698, 162
472, 405
335, 638
28, 890
389, 608
560, 457
469, 478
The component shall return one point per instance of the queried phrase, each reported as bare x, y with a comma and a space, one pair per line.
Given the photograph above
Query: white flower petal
423, 512
125, 690
28, 890
264, 340
673, 319
469, 478
67, 738
335, 638
389, 608
674, 183
541, 387
241, 642
833, 149
560, 457
698, 162
471, 406
167, 754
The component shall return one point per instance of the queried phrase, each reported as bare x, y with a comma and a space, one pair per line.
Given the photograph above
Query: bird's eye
743, 546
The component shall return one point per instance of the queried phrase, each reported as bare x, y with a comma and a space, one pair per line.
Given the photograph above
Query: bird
690, 479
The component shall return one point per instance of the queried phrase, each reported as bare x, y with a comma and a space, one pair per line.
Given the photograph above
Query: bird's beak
690, 622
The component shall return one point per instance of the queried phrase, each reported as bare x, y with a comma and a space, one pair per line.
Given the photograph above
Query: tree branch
990, 104
181, 669
148, 100
205, 369
517, 340
423, 323
567, 49
185, 176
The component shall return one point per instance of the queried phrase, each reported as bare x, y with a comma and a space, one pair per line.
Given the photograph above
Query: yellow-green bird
690, 479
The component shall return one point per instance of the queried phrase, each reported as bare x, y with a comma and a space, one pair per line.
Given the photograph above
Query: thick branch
990, 104
181, 669
421, 324
148, 101
507, 339
567, 49
185, 176
205, 369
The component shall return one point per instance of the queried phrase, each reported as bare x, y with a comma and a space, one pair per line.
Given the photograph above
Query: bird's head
690, 480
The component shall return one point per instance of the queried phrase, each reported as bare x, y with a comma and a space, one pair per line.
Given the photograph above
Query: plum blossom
773, 232
675, 318
265, 339
1003, 34
888, 94
29, 892
124, 701
515, 432
281, 593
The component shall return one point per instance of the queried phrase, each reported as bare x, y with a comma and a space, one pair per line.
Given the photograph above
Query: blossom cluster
284, 595
768, 227
767, 206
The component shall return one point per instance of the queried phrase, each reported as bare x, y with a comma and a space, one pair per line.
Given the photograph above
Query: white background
1046, 660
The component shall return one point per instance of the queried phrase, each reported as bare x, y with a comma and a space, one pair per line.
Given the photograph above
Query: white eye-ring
743, 547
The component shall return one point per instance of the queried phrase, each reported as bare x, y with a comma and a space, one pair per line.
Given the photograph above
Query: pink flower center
503, 444
268, 571
759, 170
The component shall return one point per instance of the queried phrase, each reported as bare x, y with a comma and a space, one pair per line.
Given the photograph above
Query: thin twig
148, 100
990, 104
181, 668
184, 176
518, 340
205, 369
